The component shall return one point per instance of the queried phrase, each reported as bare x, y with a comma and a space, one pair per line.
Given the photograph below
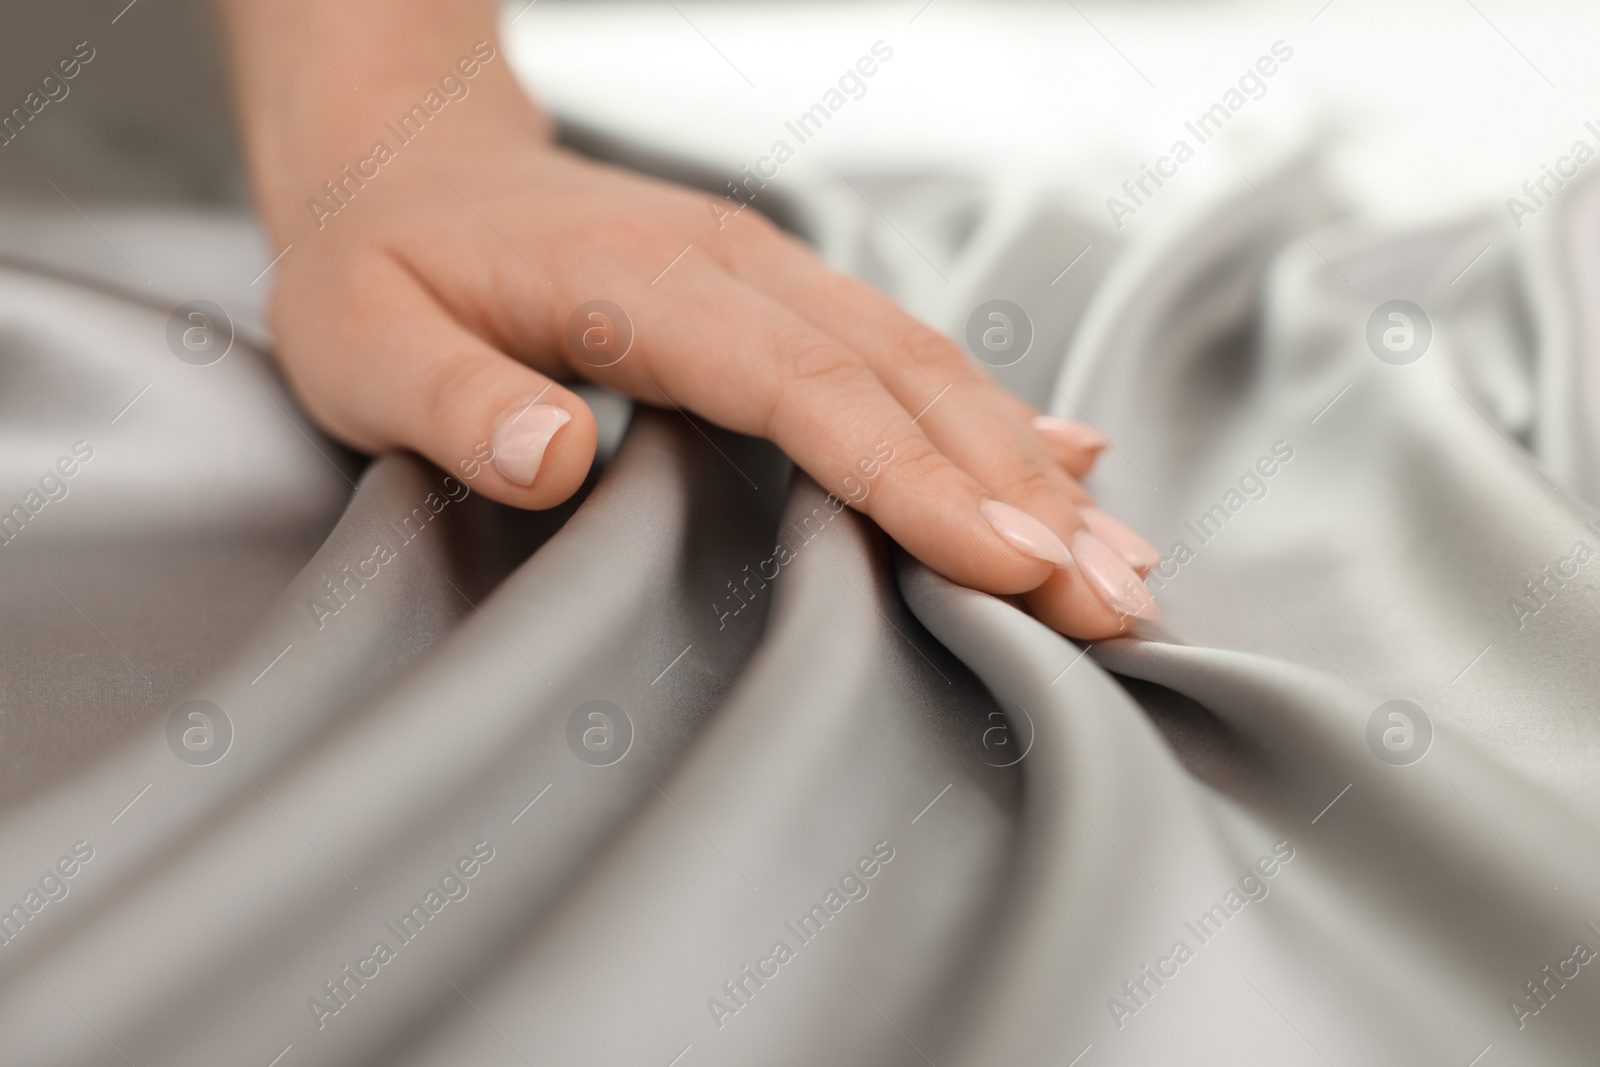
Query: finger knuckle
1030, 481
924, 349
804, 368
453, 388
917, 462
812, 360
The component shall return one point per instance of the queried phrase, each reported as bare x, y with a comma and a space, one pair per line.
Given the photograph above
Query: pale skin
431, 310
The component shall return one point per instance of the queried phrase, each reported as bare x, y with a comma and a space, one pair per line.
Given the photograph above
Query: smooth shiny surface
1043, 825
522, 436
1025, 532
1134, 550
1117, 583
1074, 435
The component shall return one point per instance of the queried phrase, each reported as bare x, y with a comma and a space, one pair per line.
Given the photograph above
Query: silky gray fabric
975, 841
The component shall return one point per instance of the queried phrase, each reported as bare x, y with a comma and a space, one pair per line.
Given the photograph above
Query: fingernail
1074, 435
1133, 548
1025, 532
522, 435
1113, 579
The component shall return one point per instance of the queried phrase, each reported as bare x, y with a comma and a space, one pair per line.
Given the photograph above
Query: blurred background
1426, 107
1417, 112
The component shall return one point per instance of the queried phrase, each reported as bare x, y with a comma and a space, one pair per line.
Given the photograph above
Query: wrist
311, 127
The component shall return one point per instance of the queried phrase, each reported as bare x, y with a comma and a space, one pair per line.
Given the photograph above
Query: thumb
402, 373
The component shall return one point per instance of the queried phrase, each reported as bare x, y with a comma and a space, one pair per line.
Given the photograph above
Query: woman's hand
444, 289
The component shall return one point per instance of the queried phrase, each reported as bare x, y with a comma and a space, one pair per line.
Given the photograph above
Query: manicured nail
1113, 579
1025, 532
1133, 548
1074, 435
521, 437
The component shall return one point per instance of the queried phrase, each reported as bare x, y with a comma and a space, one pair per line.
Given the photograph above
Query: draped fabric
337, 762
